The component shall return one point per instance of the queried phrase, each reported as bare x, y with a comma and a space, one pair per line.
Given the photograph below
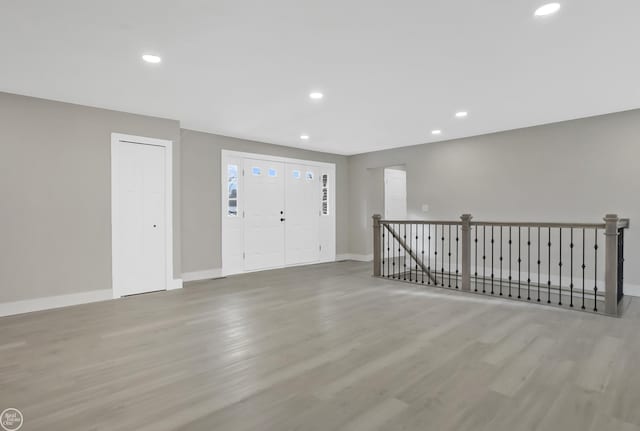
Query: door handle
282, 219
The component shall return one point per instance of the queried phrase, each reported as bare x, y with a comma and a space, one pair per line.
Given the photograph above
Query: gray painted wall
55, 194
201, 224
55, 187
571, 171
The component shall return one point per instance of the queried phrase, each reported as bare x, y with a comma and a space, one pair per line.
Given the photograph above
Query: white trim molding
176, 283
46, 303
116, 138
243, 155
356, 257
632, 289
207, 274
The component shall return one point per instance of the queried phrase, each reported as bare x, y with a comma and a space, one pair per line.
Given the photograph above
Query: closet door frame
116, 231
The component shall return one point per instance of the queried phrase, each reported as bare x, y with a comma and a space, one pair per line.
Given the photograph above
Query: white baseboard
46, 303
206, 274
29, 305
176, 283
632, 289
357, 257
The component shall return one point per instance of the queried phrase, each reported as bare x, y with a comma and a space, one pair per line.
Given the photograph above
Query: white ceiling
391, 71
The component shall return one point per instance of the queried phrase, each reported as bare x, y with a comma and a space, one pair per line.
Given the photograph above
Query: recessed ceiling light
547, 9
461, 114
150, 58
436, 132
316, 95
304, 137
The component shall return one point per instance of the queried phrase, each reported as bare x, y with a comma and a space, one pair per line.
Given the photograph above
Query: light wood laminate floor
324, 347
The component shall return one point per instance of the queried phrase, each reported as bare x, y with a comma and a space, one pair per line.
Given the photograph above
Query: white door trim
168, 145
229, 153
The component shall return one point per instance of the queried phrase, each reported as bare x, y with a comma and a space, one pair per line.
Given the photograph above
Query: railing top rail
623, 223
506, 223
540, 224
444, 222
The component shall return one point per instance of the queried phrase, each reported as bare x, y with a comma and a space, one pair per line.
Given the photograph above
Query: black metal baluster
422, 269
416, 252
539, 284
449, 266
399, 254
410, 248
429, 254
595, 272
620, 281
528, 263
442, 258
457, 255
404, 255
388, 251
583, 268
492, 266
510, 261
382, 246
435, 254
560, 266
571, 277
500, 260
549, 272
476, 267
549, 266
393, 254
519, 261
484, 258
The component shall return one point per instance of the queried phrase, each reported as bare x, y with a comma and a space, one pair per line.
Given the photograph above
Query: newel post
611, 264
466, 251
376, 245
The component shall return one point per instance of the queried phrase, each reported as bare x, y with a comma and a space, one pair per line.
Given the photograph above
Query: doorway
395, 194
141, 208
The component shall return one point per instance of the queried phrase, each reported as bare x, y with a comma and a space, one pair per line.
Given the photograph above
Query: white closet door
264, 217
140, 218
303, 203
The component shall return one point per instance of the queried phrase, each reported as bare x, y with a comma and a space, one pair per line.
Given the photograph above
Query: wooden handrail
623, 223
440, 222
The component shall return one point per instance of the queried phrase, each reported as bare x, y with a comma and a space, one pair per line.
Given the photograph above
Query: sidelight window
325, 194
232, 187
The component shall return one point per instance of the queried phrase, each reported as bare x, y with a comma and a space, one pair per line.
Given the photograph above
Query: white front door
264, 214
139, 218
276, 212
303, 200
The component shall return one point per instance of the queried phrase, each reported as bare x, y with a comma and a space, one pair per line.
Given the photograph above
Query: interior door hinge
320, 247
243, 256
243, 172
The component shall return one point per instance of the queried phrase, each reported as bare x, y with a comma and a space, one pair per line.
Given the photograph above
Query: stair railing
552, 263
